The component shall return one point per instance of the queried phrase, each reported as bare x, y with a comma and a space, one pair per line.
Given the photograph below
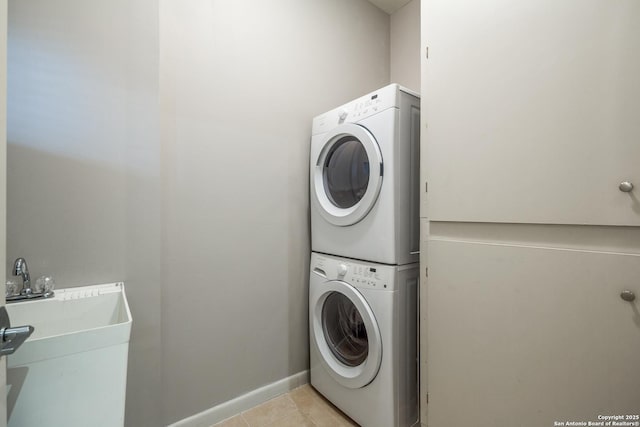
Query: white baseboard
255, 397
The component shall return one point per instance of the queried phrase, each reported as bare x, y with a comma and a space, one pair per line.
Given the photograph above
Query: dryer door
346, 334
348, 174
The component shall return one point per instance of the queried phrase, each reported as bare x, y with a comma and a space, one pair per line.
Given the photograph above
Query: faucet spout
20, 269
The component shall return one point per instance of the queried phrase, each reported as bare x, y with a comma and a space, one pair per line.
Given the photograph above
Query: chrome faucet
20, 269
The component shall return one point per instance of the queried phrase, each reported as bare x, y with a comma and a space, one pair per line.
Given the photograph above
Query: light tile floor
301, 407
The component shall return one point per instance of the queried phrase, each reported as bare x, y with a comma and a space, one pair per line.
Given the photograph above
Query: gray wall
202, 209
405, 46
84, 160
240, 84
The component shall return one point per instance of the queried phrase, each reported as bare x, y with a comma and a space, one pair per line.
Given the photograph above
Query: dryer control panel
365, 106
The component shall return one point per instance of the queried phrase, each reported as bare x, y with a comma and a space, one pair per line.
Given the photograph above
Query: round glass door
345, 333
344, 330
346, 172
348, 175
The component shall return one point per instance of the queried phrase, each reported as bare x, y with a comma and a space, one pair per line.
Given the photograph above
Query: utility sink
72, 370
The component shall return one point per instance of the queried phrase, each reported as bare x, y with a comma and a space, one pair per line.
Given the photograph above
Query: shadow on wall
82, 222
83, 161
66, 216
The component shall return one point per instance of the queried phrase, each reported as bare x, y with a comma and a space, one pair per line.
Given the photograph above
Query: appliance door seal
348, 174
346, 334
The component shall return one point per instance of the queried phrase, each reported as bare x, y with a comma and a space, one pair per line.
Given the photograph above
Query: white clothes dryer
364, 178
363, 322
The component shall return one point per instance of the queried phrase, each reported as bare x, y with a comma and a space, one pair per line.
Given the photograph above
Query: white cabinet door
525, 336
532, 110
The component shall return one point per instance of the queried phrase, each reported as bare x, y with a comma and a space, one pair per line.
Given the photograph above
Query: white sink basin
75, 320
74, 365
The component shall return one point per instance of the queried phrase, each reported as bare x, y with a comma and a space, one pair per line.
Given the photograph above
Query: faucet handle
45, 284
12, 288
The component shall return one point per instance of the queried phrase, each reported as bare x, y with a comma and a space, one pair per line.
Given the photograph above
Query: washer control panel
362, 275
343, 269
357, 273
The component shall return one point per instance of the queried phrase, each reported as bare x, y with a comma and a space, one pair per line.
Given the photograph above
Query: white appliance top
358, 109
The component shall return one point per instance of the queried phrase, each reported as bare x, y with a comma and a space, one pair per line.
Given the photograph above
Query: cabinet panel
424, 232
531, 111
527, 336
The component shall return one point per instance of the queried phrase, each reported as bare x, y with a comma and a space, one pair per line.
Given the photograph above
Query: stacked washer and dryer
363, 287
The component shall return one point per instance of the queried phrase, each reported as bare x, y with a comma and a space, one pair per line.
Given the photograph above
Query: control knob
342, 269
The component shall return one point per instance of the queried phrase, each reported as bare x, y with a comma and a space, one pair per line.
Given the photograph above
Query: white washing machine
363, 325
364, 178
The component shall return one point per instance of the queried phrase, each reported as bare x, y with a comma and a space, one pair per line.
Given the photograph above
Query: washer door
346, 334
348, 174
